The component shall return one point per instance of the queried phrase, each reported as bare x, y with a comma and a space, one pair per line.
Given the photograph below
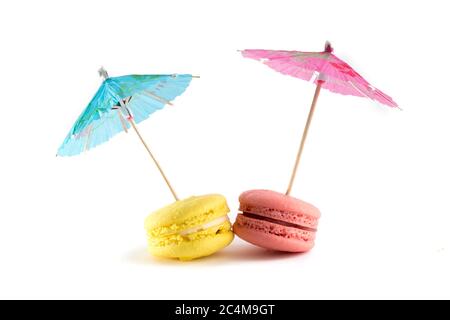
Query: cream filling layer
209, 224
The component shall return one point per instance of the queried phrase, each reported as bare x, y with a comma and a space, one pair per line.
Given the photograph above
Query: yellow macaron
191, 228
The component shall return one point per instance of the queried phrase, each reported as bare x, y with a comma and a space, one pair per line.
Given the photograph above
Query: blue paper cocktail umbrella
119, 104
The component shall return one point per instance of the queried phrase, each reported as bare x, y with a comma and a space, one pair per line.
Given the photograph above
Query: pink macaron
275, 221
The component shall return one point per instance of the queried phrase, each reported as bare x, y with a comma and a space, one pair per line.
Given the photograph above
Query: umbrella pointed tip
103, 73
328, 47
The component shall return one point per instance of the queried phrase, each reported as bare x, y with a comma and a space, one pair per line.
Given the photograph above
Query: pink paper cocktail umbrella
327, 71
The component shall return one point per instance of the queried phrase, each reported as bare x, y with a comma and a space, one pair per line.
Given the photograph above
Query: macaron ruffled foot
189, 229
275, 221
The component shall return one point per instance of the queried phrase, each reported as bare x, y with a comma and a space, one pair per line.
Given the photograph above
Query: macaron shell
188, 212
279, 202
196, 245
273, 236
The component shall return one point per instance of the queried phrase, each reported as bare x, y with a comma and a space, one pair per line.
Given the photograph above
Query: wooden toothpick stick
305, 134
133, 124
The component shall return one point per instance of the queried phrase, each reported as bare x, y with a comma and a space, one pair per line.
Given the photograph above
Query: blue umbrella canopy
117, 101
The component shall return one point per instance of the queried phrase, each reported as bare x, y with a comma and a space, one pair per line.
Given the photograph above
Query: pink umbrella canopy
324, 67
327, 71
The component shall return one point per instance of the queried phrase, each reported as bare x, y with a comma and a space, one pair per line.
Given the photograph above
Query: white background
73, 227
